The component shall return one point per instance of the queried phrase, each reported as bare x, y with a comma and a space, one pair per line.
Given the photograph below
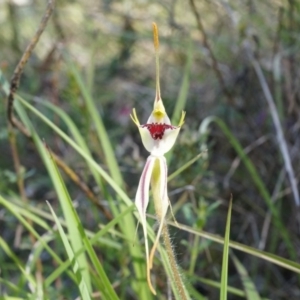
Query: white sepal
141, 202
159, 147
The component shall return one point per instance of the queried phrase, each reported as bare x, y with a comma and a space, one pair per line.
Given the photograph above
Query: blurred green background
110, 43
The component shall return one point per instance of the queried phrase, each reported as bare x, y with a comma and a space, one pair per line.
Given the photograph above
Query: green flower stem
177, 283
173, 264
194, 255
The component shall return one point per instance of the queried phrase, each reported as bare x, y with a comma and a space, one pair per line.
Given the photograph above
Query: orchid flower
158, 136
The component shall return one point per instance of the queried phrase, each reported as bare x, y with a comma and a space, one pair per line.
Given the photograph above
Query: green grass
75, 100
224, 275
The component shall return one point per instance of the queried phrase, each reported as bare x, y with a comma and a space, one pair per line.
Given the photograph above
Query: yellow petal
160, 195
158, 111
182, 118
134, 117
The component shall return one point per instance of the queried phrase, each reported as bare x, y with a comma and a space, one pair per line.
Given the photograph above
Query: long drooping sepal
141, 202
160, 195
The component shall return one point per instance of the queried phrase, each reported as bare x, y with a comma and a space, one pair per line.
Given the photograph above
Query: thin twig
17, 164
278, 32
275, 80
267, 220
279, 132
70, 173
15, 122
236, 162
15, 80
206, 44
80, 183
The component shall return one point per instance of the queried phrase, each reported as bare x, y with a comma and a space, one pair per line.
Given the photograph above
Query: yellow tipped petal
149, 281
134, 117
182, 118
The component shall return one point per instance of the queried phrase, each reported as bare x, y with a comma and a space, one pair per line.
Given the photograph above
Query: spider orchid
158, 137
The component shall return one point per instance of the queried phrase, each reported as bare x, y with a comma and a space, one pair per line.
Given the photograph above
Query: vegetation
71, 157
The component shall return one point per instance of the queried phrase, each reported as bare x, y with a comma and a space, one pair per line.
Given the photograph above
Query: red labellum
157, 130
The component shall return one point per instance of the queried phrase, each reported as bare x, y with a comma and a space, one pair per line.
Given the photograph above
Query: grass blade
216, 284
224, 276
270, 257
13, 287
186, 165
68, 211
183, 93
79, 238
100, 129
184, 88
84, 291
5, 247
5, 203
249, 286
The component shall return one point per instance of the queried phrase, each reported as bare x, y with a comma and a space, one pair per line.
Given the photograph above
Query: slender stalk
14, 83
156, 47
21, 187
173, 264
279, 131
156, 186
194, 255
214, 61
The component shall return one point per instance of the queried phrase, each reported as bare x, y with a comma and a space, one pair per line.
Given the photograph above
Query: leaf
249, 286
84, 291
224, 276
267, 256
